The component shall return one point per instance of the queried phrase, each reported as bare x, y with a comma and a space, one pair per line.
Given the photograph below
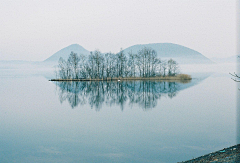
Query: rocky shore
228, 155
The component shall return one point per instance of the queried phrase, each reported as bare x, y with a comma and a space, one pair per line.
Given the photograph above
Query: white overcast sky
33, 30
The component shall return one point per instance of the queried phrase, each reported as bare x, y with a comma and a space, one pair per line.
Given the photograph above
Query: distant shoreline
180, 77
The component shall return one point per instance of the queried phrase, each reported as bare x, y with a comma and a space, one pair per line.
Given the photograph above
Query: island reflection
145, 94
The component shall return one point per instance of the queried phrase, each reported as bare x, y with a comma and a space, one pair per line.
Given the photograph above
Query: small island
145, 65
179, 77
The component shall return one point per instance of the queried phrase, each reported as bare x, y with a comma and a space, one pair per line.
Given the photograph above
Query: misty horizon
33, 30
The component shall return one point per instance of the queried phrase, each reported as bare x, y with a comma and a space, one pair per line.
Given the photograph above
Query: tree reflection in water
143, 93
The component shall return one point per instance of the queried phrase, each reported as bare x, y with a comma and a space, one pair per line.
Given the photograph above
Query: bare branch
236, 76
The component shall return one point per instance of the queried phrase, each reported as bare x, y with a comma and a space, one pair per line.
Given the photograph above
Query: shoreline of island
179, 77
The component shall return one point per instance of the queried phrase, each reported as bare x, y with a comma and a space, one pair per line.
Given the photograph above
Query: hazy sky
35, 29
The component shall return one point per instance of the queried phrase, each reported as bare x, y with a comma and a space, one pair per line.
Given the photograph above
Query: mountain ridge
170, 47
64, 52
181, 54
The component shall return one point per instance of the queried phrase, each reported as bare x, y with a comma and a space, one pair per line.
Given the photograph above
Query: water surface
42, 121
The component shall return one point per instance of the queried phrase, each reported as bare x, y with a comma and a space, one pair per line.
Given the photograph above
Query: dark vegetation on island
109, 66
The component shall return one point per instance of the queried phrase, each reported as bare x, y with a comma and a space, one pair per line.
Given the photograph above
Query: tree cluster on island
97, 65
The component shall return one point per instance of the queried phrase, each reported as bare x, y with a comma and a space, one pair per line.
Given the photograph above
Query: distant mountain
232, 59
181, 54
64, 53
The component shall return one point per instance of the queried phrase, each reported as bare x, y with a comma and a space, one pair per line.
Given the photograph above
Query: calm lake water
43, 121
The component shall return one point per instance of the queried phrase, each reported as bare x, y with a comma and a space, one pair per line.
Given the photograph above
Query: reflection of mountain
142, 93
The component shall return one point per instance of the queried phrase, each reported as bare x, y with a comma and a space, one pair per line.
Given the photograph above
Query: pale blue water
38, 123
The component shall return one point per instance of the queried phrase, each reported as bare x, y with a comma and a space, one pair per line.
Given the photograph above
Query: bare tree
62, 66
164, 67
83, 66
73, 62
122, 62
131, 64
172, 67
